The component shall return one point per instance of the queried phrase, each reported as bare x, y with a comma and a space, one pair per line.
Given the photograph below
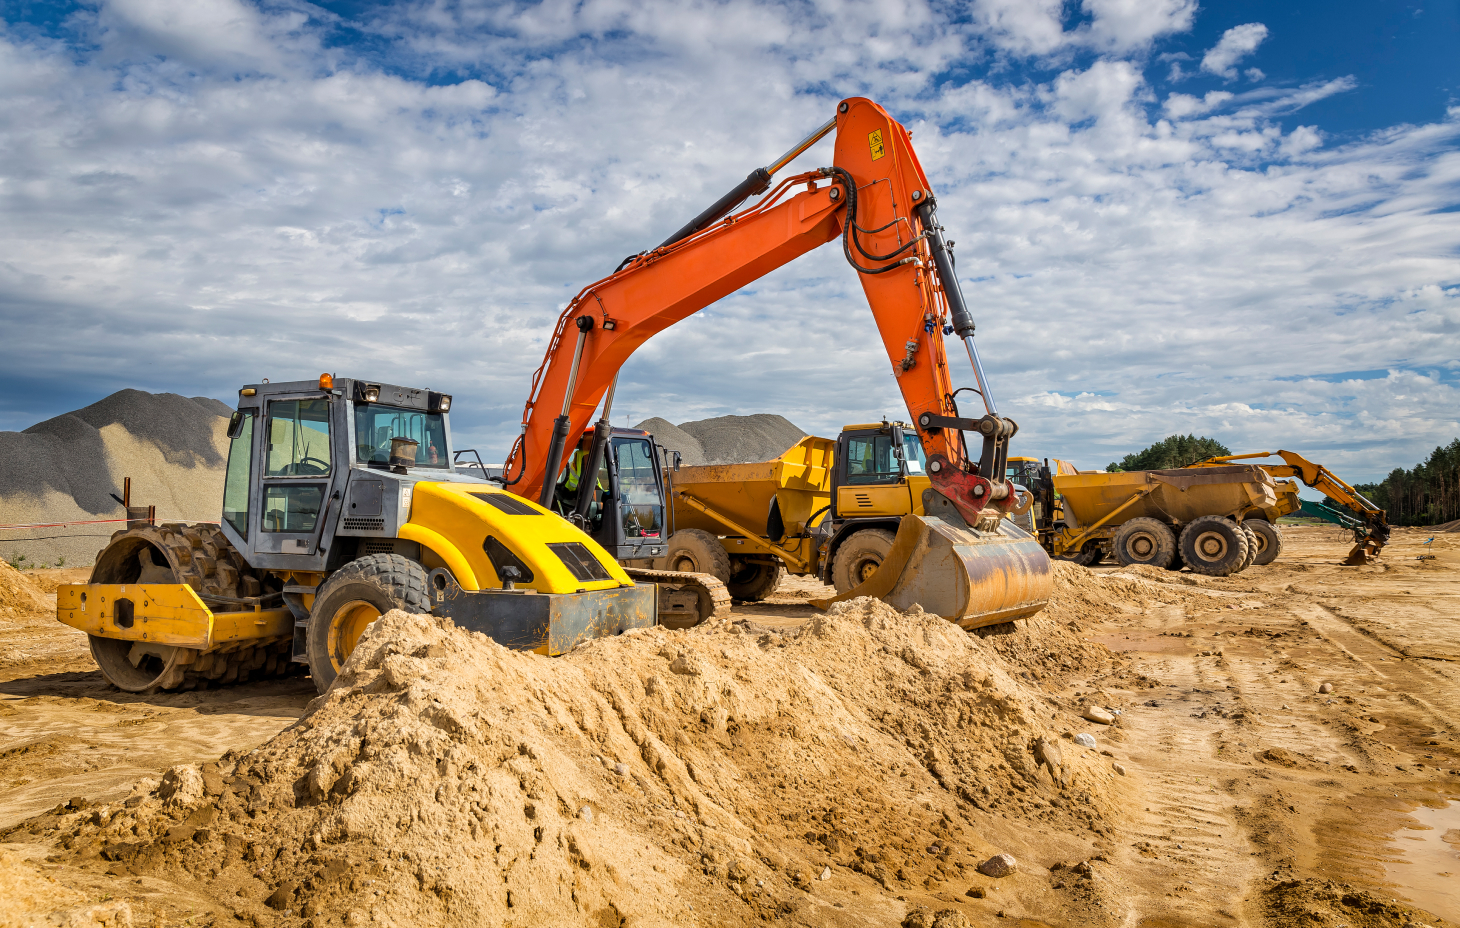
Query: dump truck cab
881, 472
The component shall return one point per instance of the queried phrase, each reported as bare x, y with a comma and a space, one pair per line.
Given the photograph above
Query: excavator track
201, 557
685, 599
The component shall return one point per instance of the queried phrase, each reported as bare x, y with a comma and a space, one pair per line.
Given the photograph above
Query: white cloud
1131, 276
1182, 105
1026, 27
1123, 26
1036, 27
1235, 44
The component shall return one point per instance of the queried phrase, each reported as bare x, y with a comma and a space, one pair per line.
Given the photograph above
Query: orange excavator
957, 555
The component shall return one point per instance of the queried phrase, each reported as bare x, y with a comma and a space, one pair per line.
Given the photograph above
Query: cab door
298, 463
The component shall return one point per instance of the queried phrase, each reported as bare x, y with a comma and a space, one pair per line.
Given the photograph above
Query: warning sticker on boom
874, 141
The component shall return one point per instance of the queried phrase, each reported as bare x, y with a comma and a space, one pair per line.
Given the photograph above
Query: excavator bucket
1363, 553
968, 577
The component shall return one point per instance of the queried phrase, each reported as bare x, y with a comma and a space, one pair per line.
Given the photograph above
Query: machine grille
363, 525
507, 503
580, 561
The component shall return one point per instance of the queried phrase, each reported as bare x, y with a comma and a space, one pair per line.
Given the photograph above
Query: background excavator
875, 197
1368, 522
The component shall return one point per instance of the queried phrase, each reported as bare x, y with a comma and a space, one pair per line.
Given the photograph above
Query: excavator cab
623, 509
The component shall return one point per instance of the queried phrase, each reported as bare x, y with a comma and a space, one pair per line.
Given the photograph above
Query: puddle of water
1427, 870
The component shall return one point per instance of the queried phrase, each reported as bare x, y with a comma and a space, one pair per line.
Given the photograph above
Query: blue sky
1238, 219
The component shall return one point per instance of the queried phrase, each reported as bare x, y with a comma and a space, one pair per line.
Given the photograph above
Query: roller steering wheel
321, 467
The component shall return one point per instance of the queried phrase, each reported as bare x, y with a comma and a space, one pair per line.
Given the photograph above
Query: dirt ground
860, 782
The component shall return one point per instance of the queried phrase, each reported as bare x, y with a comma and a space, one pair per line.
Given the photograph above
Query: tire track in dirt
1407, 676
1193, 854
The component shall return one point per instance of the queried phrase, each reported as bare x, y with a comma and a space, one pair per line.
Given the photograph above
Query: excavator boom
876, 198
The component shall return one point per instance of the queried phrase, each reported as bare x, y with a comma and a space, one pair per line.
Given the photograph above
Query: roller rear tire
351, 599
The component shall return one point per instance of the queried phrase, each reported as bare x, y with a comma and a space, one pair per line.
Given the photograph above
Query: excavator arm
877, 200
1373, 533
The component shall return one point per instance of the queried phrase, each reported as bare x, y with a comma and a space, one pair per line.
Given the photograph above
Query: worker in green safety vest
567, 495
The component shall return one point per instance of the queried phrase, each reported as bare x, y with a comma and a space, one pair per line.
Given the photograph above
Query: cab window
292, 507
916, 461
377, 424
235, 481
638, 482
299, 438
870, 460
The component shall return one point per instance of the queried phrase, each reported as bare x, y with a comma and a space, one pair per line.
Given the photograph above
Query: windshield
916, 462
1024, 473
638, 482
376, 425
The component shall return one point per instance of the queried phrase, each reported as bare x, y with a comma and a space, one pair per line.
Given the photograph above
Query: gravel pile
726, 439
675, 438
67, 468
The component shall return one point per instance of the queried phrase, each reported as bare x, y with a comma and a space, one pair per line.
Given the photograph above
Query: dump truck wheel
859, 557
695, 551
353, 597
1252, 544
201, 557
751, 581
1214, 545
1145, 541
1087, 556
1269, 540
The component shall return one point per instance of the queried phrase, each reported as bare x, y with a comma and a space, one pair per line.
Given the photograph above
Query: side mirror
235, 424
677, 458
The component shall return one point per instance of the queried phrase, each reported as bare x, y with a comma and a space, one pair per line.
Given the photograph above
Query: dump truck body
1173, 495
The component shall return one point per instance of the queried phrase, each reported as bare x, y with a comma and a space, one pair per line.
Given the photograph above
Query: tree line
1429, 494
1170, 453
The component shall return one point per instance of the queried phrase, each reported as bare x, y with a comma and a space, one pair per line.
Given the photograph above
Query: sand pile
726, 439
722, 775
67, 468
18, 594
31, 900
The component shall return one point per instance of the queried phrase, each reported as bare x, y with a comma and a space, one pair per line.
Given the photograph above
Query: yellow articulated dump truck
1214, 520
839, 511
340, 503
